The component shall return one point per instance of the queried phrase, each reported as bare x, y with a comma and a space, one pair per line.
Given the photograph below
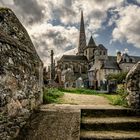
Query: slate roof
110, 65
73, 58
101, 47
127, 57
112, 58
137, 58
91, 42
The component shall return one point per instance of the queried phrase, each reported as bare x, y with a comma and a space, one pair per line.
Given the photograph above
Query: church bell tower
82, 37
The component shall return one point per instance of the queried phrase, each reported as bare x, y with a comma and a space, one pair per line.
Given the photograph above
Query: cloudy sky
54, 24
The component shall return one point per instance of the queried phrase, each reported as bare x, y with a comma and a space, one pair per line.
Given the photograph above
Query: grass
78, 91
116, 99
52, 95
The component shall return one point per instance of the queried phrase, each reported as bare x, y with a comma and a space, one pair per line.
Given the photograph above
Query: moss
4, 9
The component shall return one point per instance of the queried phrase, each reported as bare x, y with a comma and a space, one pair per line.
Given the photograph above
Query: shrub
51, 95
119, 77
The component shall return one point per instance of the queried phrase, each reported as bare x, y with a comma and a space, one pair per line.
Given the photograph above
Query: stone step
109, 135
109, 112
111, 123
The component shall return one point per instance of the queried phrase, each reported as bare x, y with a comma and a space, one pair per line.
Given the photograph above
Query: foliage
116, 100
119, 98
51, 95
119, 77
78, 90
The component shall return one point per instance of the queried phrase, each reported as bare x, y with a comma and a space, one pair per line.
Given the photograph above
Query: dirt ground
77, 99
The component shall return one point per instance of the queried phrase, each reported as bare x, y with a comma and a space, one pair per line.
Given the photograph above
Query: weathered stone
21, 73
133, 86
61, 124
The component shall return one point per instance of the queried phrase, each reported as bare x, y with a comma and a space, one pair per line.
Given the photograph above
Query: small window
86, 52
104, 53
100, 52
130, 60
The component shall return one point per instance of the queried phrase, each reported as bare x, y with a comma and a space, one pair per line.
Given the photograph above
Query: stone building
92, 62
21, 75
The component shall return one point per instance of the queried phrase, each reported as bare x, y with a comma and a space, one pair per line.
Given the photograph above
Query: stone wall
53, 122
133, 86
20, 75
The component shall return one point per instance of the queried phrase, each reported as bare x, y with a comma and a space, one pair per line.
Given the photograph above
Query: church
91, 65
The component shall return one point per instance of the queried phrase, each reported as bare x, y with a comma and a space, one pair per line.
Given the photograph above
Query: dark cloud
30, 10
97, 14
68, 3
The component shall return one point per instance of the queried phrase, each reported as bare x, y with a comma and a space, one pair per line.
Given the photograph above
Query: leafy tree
119, 77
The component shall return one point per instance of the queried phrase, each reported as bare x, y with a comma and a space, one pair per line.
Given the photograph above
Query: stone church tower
82, 37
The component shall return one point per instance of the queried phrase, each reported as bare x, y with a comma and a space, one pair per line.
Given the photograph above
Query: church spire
82, 36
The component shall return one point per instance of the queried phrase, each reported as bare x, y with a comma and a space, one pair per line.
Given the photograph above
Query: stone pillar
133, 86
52, 66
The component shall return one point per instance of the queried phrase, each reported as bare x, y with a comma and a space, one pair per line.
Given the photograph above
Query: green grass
116, 99
78, 91
52, 95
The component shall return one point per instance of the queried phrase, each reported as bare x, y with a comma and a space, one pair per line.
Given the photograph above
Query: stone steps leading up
110, 124
109, 112
109, 135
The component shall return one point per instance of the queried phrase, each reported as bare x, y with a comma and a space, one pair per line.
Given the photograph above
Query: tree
119, 77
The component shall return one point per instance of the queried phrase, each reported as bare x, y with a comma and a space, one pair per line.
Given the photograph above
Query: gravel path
82, 99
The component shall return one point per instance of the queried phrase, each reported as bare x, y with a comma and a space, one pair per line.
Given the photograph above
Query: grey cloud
97, 14
30, 10
68, 3
62, 11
